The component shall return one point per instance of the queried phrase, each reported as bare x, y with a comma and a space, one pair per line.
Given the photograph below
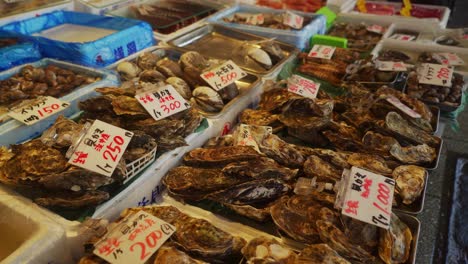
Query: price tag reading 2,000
369, 197
101, 148
134, 239
224, 75
163, 102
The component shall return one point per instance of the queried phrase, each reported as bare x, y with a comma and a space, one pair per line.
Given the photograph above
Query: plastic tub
27, 9
13, 131
101, 7
298, 38
18, 54
61, 35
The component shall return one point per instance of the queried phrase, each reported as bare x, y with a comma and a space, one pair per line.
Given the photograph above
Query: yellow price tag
406, 9
361, 5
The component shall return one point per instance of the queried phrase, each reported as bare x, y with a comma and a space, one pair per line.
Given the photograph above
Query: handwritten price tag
369, 197
322, 52
246, 135
293, 20
35, 110
403, 37
450, 59
224, 75
302, 86
376, 29
391, 66
162, 102
398, 104
101, 148
256, 19
134, 239
435, 74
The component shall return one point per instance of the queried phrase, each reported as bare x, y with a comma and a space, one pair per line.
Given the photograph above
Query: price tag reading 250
224, 75
162, 102
101, 148
134, 240
369, 197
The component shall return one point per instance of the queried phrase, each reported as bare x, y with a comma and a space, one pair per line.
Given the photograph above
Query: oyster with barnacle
420, 154
320, 253
410, 181
395, 243
220, 156
264, 250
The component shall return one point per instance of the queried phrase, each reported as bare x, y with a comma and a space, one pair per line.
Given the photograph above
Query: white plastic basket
137, 166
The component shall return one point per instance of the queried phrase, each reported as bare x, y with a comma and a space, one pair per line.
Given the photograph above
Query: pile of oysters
151, 70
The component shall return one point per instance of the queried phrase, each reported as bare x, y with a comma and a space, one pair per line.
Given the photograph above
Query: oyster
373, 163
338, 159
180, 86
399, 125
75, 179
264, 250
128, 70
220, 156
169, 68
167, 143
258, 118
101, 105
259, 168
314, 166
70, 200
274, 99
361, 233
207, 99
126, 105
147, 60
395, 243
343, 143
320, 253
140, 145
281, 151
258, 213
378, 142
420, 154
410, 182
171, 255
157, 128
62, 133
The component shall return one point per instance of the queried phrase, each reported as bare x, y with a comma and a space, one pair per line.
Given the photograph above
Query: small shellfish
147, 61
152, 76
128, 70
169, 68
180, 86
259, 56
193, 59
208, 99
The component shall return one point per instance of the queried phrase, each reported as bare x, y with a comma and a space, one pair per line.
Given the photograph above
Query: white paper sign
369, 197
134, 240
224, 75
322, 52
398, 104
101, 148
246, 137
302, 86
391, 66
36, 110
162, 102
293, 20
376, 29
256, 19
450, 59
403, 37
435, 74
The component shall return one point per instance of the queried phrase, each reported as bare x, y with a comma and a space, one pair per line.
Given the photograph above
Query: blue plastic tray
13, 131
18, 54
298, 38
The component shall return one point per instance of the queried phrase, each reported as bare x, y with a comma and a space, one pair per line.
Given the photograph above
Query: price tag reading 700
224, 75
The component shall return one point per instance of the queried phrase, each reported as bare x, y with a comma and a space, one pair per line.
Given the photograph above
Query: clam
259, 56
169, 68
180, 86
208, 99
193, 59
151, 76
410, 181
128, 70
273, 49
147, 61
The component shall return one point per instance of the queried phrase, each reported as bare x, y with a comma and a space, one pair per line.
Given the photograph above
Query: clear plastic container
100, 7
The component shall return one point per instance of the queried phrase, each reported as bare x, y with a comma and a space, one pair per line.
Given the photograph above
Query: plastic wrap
101, 7
129, 37
18, 54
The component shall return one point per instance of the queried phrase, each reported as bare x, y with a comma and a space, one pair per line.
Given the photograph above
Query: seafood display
304, 6
269, 20
360, 36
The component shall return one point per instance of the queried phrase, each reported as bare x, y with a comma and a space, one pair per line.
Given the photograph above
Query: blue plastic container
130, 36
298, 38
18, 54
13, 131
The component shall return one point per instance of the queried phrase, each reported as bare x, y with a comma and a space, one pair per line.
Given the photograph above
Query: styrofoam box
103, 6
340, 5
396, 18
298, 38
60, 5
13, 131
220, 5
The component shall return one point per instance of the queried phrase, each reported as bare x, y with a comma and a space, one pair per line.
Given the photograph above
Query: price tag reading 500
224, 75
163, 102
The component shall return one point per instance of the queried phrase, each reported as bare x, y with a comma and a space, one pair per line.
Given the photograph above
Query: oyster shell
207, 99
399, 125
220, 156
314, 166
140, 145
259, 168
338, 159
157, 128
128, 70
420, 154
75, 179
62, 133
361, 233
274, 99
343, 143
395, 243
257, 213
378, 142
320, 253
171, 255
264, 250
70, 200
147, 60
281, 151
410, 182
258, 118
370, 162
167, 143
180, 86
126, 105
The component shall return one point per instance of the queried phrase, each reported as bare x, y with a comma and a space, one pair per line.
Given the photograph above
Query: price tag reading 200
369, 197
101, 148
163, 102
224, 75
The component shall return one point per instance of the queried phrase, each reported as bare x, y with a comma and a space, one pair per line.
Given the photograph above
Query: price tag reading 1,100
134, 240
101, 148
223, 75
162, 102
38, 109
369, 197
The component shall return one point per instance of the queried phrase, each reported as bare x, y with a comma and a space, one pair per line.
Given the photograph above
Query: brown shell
378, 142
373, 163
420, 154
126, 105
320, 253
282, 152
395, 243
274, 99
171, 255
268, 250
410, 181
75, 179
259, 168
314, 166
258, 117
70, 200
220, 156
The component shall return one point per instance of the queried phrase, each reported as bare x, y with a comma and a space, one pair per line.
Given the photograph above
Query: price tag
369, 197
134, 240
391, 66
376, 29
101, 148
256, 19
465, 36
223, 75
322, 52
246, 135
302, 86
35, 110
293, 20
435, 74
403, 37
398, 104
162, 102
448, 58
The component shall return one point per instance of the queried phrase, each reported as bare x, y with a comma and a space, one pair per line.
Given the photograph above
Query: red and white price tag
435, 74
162, 102
376, 29
369, 197
256, 19
398, 104
223, 75
101, 148
246, 135
293, 20
403, 37
322, 52
134, 240
391, 66
35, 110
302, 86
450, 59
